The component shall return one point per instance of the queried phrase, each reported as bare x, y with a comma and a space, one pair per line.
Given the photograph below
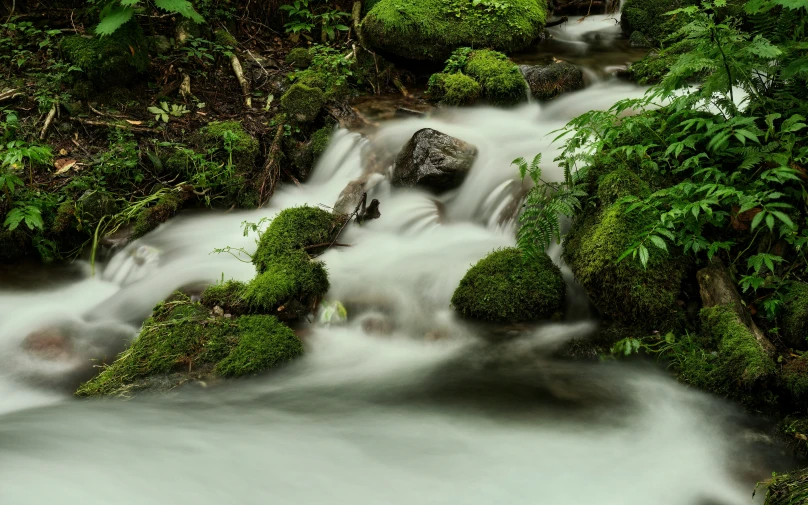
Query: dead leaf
133, 122
800, 436
63, 165
63, 152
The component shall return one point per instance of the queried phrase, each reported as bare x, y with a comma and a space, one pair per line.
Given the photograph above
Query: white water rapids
404, 419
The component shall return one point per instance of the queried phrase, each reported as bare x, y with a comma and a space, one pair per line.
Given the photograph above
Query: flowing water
437, 411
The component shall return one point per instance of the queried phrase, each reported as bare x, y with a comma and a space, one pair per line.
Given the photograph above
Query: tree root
119, 126
48, 120
10, 94
272, 168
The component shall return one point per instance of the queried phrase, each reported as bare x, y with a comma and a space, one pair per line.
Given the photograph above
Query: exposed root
272, 168
10, 94
48, 121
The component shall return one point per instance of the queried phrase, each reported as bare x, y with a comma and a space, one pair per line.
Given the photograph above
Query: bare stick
245, 86
9, 94
48, 121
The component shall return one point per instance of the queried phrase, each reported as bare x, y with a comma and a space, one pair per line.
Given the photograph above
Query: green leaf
13, 219
757, 219
770, 222
113, 19
182, 7
657, 241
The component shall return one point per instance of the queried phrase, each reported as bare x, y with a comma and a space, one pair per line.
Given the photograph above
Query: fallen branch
48, 121
557, 22
330, 244
185, 86
92, 122
245, 86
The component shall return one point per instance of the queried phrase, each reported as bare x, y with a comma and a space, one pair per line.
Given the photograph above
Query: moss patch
291, 281
229, 296
219, 136
432, 29
460, 89
302, 103
181, 335
795, 316
624, 291
648, 18
485, 74
295, 229
504, 287
111, 60
299, 57
619, 184
151, 217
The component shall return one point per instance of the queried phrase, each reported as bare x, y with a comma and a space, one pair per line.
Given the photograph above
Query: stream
440, 411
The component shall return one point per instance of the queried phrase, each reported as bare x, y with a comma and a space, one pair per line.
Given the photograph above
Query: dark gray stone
549, 81
433, 160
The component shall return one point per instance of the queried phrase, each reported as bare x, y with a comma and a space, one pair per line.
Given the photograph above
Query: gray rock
433, 160
549, 81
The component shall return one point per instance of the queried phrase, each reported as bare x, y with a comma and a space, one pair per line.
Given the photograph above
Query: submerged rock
549, 81
433, 160
432, 29
506, 287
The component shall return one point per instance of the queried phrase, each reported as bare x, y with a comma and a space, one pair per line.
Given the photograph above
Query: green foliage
788, 489
164, 111
326, 69
470, 74
544, 204
109, 61
506, 287
229, 296
116, 13
649, 17
432, 29
733, 170
304, 16
299, 57
290, 281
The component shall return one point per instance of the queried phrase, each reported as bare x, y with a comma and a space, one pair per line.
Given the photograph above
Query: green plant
163, 112
302, 20
116, 13
544, 204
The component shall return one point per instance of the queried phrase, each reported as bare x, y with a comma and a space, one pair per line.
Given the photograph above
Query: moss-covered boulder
788, 489
620, 183
182, 342
289, 282
299, 57
228, 296
302, 103
483, 74
432, 29
506, 287
112, 60
165, 208
228, 140
624, 291
648, 18
794, 325
548, 81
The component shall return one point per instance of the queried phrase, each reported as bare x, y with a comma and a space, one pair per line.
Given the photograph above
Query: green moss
264, 343
432, 29
460, 89
225, 38
504, 287
151, 217
501, 80
65, 217
648, 18
110, 60
742, 362
219, 135
794, 376
302, 103
621, 183
788, 489
624, 290
229, 296
295, 229
293, 277
319, 143
181, 336
795, 315
299, 57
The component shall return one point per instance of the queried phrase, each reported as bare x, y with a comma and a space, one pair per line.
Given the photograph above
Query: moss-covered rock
794, 325
229, 296
295, 229
742, 363
181, 336
624, 290
290, 286
459, 89
788, 489
794, 378
226, 138
111, 60
505, 287
304, 154
648, 18
656, 64
299, 57
302, 103
501, 80
151, 217
485, 74
432, 29
619, 184
225, 38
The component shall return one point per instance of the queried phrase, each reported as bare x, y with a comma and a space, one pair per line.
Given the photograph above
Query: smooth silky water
441, 411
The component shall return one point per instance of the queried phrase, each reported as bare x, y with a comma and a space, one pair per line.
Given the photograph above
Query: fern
539, 222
